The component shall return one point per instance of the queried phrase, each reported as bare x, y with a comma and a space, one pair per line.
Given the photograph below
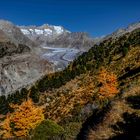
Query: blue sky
97, 17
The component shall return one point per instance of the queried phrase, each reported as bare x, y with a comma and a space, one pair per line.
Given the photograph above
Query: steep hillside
20, 63
8, 49
21, 70
75, 101
100, 89
3, 37
71, 104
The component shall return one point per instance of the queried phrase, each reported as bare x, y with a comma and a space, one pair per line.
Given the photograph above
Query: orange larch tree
109, 84
24, 118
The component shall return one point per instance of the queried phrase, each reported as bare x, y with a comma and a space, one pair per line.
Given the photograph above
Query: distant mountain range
56, 36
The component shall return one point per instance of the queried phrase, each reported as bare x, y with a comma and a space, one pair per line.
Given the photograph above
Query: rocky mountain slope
3, 37
20, 70
15, 35
20, 63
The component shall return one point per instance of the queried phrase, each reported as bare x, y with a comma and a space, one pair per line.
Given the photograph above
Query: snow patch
58, 29
24, 31
48, 32
31, 30
43, 30
38, 32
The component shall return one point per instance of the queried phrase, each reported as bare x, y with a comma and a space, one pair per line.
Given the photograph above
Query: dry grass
104, 130
74, 94
132, 60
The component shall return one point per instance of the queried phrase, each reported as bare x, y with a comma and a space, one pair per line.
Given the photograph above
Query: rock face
20, 70
9, 49
3, 37
19, 67
20, 63
14, 34
77, 40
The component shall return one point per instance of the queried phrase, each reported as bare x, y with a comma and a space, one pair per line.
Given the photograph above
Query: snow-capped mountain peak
46, 30
58, 29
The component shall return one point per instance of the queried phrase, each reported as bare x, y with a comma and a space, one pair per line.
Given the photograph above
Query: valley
87, 93
60, 57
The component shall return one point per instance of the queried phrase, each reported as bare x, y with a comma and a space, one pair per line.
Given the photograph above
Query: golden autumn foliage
24, 118
6, 129
109, 84
79, 94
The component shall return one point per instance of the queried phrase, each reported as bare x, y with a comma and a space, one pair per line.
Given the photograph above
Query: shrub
47, 129
125, 50
34, 94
